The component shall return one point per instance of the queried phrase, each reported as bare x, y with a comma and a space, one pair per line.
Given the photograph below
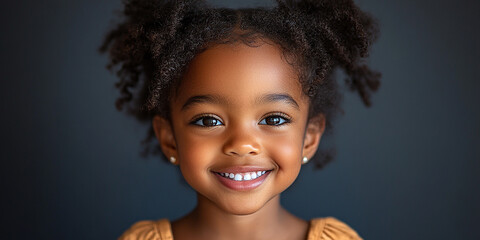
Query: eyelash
203, 117
284, 119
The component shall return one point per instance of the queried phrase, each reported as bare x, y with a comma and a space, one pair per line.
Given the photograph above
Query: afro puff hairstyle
150, 49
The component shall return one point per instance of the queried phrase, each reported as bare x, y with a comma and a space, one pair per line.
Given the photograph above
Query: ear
313, 134
164, 133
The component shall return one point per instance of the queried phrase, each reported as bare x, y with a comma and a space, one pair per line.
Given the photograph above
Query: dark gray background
407, 168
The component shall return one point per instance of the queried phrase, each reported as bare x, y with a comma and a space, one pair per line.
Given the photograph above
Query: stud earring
173, 160
304, 160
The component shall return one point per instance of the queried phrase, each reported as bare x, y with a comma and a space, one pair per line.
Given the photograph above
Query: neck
208, 221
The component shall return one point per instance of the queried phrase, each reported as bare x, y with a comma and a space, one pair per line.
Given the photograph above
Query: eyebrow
278, 97
215, 99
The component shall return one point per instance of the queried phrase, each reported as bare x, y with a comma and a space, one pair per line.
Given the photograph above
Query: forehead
239, 72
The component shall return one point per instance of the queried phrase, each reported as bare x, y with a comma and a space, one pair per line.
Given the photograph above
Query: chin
245, 207
242, 210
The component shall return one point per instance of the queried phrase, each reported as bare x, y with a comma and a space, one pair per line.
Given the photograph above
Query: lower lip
242, 185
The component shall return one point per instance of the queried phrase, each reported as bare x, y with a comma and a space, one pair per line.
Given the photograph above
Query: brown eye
207, 122
274, 120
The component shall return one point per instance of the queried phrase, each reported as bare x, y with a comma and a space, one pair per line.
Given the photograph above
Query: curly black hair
152, 46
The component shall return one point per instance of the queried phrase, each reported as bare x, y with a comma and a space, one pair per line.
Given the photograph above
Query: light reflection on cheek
195, 158
195, 151
285, 150
198, 153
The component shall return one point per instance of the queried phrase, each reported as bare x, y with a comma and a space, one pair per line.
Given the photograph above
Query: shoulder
149, 230
330, 228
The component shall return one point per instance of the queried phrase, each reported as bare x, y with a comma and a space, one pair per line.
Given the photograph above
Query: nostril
241, 143
241, 150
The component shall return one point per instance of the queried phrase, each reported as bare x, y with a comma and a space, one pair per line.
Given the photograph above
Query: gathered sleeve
331, 229
148, 230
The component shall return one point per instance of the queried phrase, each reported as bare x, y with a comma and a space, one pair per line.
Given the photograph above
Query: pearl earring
173, 160
304, 160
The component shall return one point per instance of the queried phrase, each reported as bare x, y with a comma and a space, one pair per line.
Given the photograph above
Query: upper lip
241, 169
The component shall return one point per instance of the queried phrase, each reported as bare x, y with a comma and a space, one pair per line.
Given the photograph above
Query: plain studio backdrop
406, 168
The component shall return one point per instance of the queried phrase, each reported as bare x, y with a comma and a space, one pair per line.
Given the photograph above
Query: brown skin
240, 131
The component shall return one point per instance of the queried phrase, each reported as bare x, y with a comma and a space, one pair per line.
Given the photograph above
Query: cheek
286, 151
195, 156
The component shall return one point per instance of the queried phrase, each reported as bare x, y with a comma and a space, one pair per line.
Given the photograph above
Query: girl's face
239, 112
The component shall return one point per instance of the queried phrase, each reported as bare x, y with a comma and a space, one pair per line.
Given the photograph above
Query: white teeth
238, 177
243, 176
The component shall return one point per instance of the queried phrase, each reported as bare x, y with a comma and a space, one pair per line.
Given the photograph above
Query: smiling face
239, 126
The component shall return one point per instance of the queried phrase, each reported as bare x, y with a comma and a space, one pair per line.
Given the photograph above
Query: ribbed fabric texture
330, 229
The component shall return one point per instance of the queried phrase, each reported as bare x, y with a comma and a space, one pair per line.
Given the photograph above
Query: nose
241, 143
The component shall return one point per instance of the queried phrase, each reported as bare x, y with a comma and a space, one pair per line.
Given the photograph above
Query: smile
243, 176
242, 179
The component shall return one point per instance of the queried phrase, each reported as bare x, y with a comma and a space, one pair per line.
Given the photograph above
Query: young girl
239, 100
